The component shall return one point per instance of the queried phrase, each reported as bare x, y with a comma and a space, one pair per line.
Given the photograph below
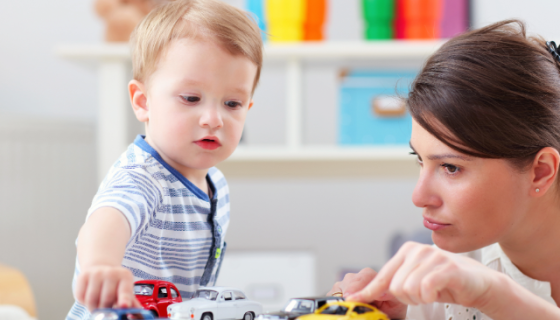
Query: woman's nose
425, 193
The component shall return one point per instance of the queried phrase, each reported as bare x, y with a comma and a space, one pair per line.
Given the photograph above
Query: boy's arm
103, 282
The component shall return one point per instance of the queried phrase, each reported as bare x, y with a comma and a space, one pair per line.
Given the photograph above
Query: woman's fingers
380, 284
361, 280
353, 282
411, 283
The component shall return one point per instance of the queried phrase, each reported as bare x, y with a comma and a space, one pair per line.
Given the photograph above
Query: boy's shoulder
134, 162
137, 159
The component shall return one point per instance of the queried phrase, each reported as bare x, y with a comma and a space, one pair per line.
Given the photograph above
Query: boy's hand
103, 282
106, 287
355, 282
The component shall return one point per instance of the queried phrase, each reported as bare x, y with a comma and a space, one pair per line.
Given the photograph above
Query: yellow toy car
346, 310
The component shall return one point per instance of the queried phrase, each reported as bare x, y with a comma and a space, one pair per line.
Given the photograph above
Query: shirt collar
493, 254
142, 144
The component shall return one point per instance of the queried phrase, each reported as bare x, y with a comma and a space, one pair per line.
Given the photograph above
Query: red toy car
156, 295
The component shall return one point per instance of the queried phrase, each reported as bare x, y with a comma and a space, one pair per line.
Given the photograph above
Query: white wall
345, 217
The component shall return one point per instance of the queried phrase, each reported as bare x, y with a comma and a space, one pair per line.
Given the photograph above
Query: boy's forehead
191, 60
204, 52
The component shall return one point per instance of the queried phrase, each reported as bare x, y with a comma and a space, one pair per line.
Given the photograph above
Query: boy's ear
139, 100
250, 104
544, 170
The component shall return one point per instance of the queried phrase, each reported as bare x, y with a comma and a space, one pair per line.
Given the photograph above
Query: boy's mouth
209, 143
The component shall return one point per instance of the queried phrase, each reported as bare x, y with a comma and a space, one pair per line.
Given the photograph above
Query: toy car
342, 310
215, 303
120, 314
297, 307
156, 296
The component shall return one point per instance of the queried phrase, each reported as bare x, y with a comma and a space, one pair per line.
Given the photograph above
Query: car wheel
248, 316
154, 313
206, 316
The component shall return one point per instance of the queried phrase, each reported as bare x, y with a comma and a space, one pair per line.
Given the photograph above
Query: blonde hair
230, 27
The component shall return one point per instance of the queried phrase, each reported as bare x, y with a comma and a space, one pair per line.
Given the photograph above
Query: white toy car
215, 303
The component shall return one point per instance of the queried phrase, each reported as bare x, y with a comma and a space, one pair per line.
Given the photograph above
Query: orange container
422, 18
314, 20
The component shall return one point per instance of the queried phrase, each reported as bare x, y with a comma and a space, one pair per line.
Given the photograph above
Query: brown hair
491, 93
230, 27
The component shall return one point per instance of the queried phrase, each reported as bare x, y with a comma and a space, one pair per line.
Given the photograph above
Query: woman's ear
544, 170
138, 100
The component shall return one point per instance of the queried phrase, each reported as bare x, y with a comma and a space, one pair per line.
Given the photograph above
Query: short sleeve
133, 193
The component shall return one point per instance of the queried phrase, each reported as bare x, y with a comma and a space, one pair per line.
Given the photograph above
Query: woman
486, 131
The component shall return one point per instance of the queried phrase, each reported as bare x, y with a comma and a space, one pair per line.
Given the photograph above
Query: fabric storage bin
370, 111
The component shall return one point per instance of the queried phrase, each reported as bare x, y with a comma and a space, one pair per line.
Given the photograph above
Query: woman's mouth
434, 225
209, 143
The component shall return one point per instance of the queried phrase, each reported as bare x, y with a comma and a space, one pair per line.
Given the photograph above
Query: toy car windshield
299, 306
143, 289
206, 294
335, 309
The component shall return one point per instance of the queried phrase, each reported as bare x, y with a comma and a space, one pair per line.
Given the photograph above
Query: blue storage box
370, 112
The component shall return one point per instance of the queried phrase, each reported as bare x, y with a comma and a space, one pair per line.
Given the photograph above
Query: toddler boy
162, 211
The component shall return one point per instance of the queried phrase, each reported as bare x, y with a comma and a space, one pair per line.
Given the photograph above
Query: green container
378, 19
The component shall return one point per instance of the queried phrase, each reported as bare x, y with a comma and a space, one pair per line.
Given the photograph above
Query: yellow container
285, 19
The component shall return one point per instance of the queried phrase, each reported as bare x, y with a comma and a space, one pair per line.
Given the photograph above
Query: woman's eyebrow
444, 156
449, 155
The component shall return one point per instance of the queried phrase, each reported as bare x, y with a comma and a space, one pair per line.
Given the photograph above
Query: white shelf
322, 153
391, 49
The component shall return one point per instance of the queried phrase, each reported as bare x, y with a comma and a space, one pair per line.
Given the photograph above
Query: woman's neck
534, 249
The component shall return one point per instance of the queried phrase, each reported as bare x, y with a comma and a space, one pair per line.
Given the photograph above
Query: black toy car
297, 307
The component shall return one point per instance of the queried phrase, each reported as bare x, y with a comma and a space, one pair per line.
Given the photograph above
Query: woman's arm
421, 274
507, 299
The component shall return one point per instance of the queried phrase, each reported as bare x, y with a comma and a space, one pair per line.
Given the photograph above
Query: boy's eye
232, 104
190, 98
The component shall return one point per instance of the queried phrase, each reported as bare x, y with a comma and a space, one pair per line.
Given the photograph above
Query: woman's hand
421, 274
355, 282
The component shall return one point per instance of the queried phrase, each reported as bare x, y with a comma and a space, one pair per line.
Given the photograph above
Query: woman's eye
191, 98
451, 169
417, 158
232, 104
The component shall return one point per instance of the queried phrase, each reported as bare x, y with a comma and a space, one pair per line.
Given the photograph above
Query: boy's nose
211, 117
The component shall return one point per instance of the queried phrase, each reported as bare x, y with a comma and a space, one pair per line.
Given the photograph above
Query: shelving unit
112, 62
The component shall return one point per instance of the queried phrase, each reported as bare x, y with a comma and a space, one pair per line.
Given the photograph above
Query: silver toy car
297, 307
215, 303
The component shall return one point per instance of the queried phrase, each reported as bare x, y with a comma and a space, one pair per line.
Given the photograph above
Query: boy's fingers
125, 292
92, 294
81, 286
108, 293
136, 303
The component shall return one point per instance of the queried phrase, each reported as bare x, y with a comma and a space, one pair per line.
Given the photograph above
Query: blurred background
305, 210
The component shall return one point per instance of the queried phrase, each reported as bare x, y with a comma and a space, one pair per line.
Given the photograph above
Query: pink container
455, 18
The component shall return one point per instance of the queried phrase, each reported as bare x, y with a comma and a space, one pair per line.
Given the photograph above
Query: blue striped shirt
177, 231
